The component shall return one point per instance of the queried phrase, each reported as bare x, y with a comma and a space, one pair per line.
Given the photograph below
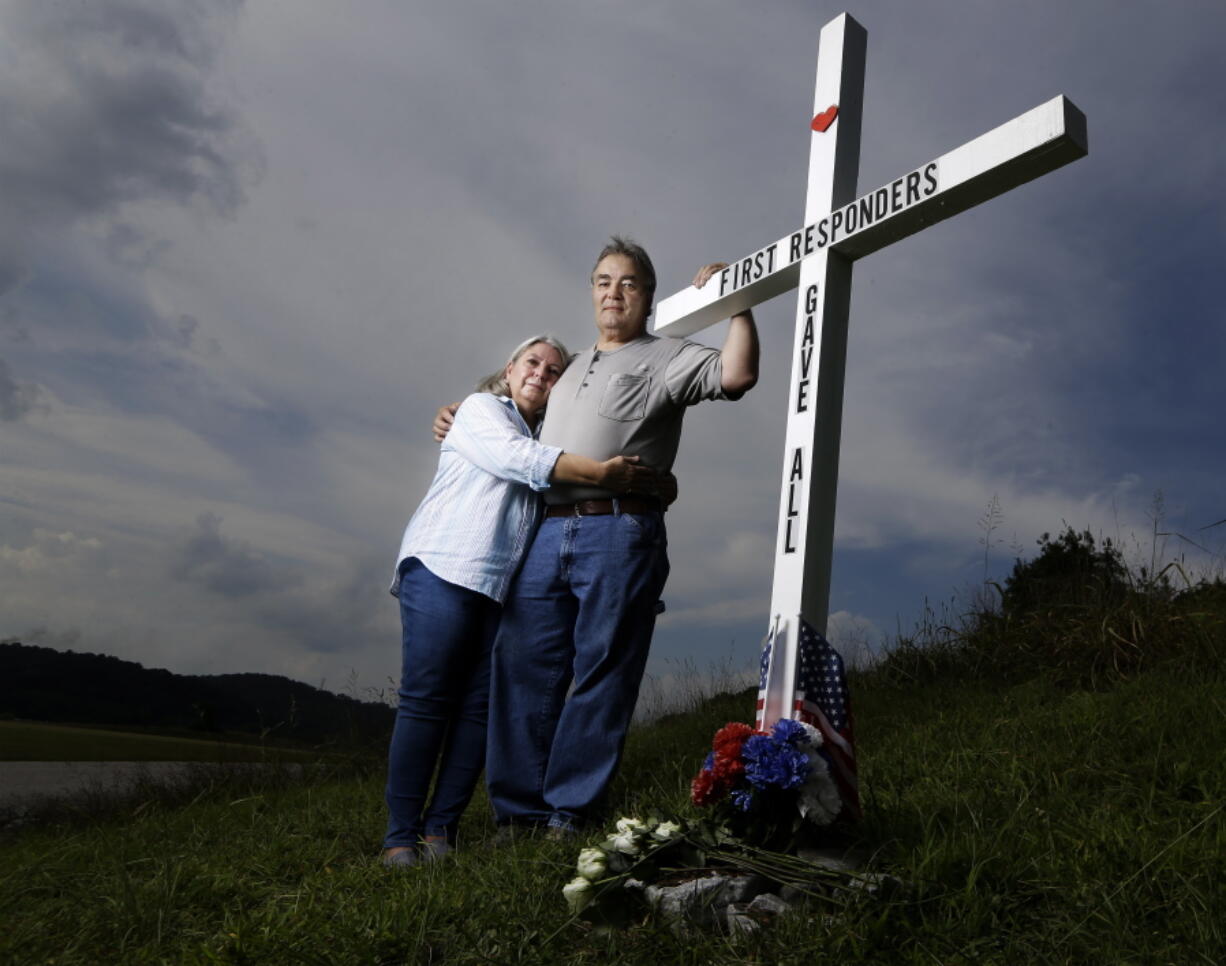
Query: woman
459, 553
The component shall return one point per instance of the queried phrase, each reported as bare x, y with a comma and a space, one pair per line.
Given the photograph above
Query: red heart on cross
825, 119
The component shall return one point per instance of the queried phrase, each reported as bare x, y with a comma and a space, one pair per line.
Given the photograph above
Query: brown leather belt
594, 508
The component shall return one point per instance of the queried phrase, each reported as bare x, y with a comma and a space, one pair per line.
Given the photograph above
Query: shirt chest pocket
625, 396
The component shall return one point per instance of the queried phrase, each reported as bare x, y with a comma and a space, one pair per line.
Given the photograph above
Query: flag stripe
842, 762
818, 720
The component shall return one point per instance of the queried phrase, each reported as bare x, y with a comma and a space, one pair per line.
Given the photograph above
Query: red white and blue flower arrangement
771, 779
765, 789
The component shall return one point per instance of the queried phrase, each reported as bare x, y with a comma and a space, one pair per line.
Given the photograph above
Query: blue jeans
582, 608
447, 633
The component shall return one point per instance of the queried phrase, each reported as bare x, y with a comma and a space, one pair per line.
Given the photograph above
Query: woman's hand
443, 420
621, 474
625, 474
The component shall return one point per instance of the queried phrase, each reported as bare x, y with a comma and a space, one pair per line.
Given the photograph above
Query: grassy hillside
1048, 778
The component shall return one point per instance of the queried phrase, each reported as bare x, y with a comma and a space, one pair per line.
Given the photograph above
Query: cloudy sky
248, 246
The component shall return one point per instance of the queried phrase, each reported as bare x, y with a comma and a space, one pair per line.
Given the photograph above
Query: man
585, 602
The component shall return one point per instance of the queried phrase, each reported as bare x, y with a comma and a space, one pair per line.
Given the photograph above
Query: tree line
43, 684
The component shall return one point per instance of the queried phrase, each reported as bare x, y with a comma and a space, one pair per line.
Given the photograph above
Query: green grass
36, 741
1050, 825
1038, 815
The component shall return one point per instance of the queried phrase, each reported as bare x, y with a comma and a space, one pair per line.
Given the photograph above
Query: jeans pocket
641, 530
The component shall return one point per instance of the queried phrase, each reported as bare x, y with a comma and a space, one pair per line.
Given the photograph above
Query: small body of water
24, 781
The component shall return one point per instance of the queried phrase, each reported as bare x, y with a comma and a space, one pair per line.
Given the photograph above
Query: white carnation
815, 736
666, 830
631, 825
626, 842
592, 864
578, 893
819, 796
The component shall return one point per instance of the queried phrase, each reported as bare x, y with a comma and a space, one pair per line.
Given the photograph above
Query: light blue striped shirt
481, 511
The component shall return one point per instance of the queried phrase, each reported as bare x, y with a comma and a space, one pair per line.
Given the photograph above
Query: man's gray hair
619, 245
496, 382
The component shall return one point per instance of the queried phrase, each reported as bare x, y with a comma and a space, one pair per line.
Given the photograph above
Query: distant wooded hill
42, 684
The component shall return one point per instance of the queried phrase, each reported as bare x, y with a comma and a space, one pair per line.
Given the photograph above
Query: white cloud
48, 551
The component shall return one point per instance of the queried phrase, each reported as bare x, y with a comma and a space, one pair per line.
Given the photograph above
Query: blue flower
710, 761
790, 731
771, 761
743, 798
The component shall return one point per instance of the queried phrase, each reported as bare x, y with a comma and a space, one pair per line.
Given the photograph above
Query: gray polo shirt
628, 400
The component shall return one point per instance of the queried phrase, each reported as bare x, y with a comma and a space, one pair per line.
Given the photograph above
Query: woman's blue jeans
447, 633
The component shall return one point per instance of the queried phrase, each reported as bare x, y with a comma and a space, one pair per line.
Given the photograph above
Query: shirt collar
510, 404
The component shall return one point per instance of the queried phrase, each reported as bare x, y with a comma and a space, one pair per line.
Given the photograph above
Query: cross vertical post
805, 539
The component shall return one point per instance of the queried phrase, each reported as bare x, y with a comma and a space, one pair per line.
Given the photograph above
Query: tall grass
1076, 615
684, 686
1048, 783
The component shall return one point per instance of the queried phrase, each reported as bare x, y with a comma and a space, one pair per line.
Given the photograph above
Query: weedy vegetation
1045, 774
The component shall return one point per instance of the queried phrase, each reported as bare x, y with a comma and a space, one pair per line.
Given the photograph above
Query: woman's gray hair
496, 382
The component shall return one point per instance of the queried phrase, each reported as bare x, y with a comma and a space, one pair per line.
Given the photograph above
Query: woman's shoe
404, 859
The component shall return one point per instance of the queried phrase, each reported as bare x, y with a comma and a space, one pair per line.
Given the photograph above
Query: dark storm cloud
227, 567
102, 104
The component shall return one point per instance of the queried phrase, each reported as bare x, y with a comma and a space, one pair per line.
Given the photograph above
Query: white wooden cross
840, 227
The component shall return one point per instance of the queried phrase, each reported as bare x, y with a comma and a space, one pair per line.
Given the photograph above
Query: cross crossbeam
1041, 140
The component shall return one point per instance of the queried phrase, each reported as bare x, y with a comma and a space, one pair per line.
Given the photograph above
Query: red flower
706, 788
730, 737
725, 769
728, 770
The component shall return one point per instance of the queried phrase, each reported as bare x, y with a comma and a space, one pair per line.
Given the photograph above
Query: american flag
821, 699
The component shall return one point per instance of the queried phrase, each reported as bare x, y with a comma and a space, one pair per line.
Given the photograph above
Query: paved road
24, 781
